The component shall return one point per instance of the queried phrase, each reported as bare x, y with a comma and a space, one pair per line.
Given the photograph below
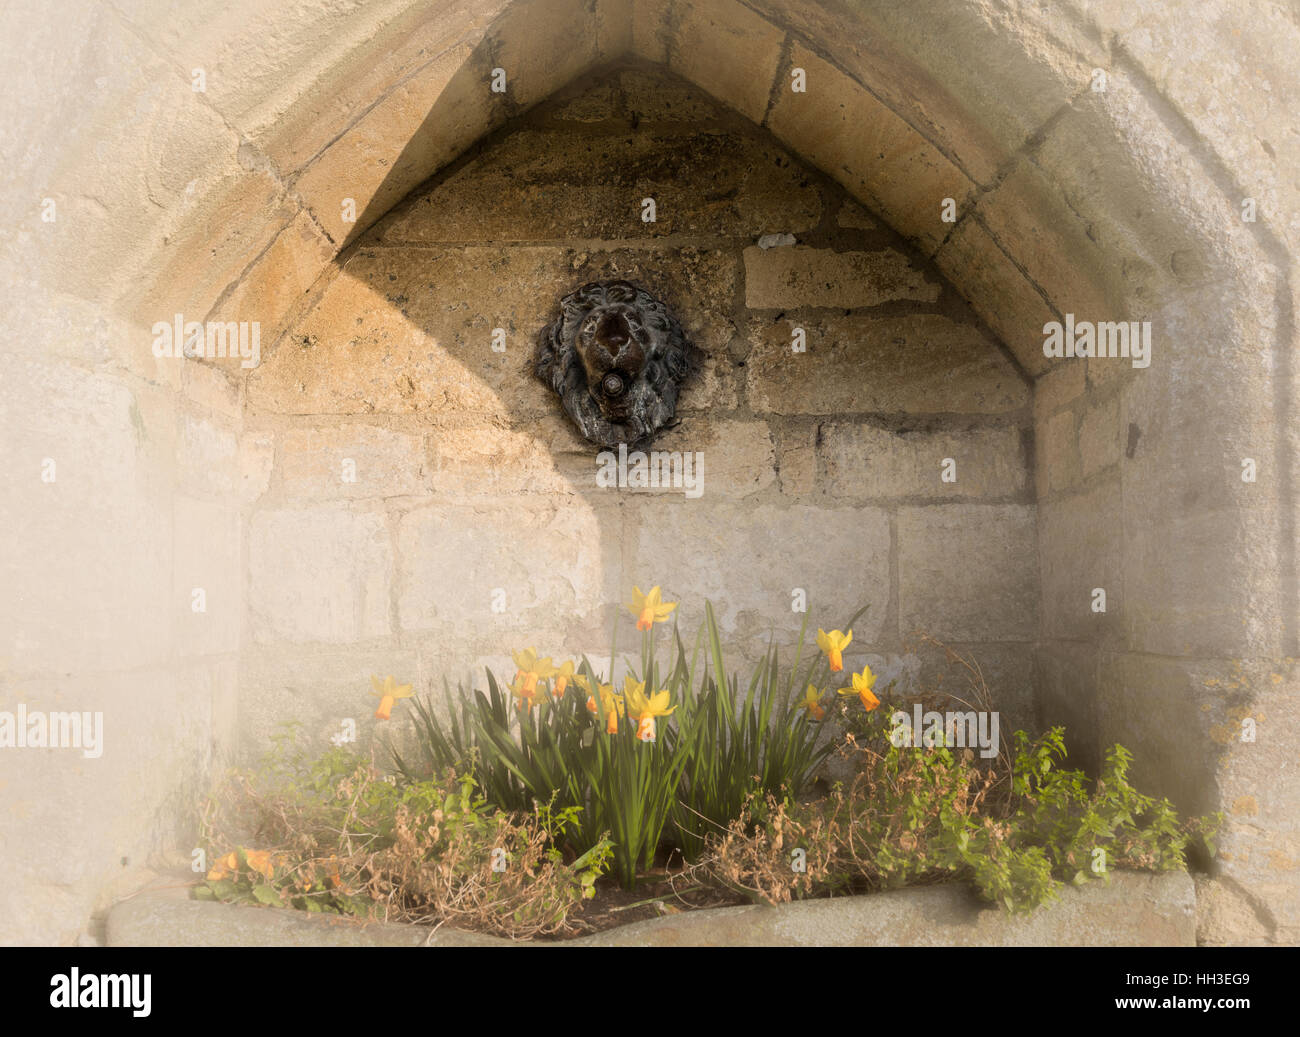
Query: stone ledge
1135, 910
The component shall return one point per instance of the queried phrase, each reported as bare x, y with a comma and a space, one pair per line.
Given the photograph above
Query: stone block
968, 572
1080, 540
319, 575
207, 560
998, 291
416, 128
560, 184
799, 277
350, 461
749, 559
920, 364
502, 567
727, 50
866, 462
1099, 436
848, 133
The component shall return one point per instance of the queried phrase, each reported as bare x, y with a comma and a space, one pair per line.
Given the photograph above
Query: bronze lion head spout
616, 357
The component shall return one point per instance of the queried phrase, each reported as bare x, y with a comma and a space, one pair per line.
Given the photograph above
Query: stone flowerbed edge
1134, 910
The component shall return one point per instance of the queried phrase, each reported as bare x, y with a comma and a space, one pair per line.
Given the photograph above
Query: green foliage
688, 783
924, 814
764, 746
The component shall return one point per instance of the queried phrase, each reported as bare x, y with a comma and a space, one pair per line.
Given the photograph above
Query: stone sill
1135, 910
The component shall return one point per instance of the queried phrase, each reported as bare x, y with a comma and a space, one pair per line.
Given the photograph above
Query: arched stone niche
228, 203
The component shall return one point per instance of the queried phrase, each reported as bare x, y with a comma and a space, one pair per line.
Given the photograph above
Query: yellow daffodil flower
862, 684
388, 692
531, 669
645, 708
613, 704
833, 644
649, 609
812, 701
525, 690
563, 674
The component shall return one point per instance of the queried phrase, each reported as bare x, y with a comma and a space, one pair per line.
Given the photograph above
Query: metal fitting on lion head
616, 357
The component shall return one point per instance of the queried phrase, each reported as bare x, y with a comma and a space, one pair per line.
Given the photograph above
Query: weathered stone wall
1124, 202
822, 469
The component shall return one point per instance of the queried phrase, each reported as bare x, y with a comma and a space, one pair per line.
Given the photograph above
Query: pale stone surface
350, 461
434, 116
728, 50
920, 364
1061, 258
1057, 450
1099, 436
864, 145
278, 283
319, 688
867, 462
552, 184
748, 560
546, 558
998, 292
167, 197
319, 574
207, 559
91, 547
208, 455
803, 277
1080, 548
967, 571
1132, 910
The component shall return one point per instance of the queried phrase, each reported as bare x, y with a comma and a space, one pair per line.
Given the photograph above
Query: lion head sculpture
616, 357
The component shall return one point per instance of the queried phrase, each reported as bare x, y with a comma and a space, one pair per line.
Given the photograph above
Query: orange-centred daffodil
649, 609
862, 685
388, 692
611, 703
531, 670
812, 701
563, 674
833, 644
645, 708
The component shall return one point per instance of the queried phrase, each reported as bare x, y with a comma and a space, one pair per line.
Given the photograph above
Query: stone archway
1124, 203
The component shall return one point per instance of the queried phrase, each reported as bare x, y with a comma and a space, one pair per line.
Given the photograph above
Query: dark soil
661, 892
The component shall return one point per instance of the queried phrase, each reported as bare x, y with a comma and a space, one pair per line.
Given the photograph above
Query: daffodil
649, 609
388, 692
645, 708
862, 685
563, 674
812, 701
612, 704
833, 644
524, 689
531, 669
